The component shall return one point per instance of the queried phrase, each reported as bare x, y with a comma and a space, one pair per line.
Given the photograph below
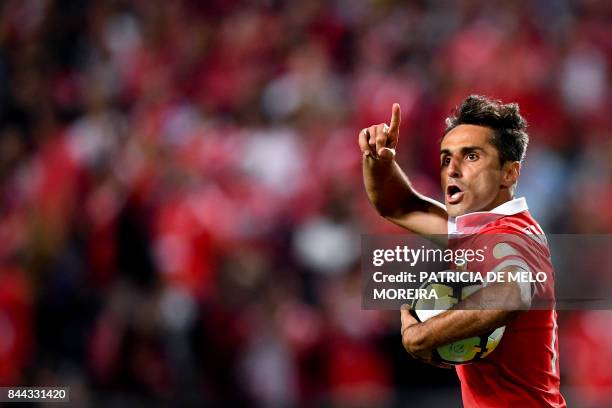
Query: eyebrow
464, 150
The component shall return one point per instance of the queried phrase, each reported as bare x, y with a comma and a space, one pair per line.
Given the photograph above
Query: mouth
454, 194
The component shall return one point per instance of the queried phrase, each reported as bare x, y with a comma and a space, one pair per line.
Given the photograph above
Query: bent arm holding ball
489, 308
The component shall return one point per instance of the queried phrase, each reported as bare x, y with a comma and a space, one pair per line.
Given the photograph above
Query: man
480, 162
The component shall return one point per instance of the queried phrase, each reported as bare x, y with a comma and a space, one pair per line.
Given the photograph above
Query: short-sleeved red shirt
523, 371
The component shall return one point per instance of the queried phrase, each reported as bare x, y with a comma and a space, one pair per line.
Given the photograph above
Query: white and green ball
462, 351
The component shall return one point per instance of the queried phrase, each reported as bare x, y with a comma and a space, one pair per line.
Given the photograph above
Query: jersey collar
469, 223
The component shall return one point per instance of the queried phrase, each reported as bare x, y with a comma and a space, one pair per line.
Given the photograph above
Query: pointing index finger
395, 118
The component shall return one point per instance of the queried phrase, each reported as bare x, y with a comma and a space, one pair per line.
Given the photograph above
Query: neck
503, 196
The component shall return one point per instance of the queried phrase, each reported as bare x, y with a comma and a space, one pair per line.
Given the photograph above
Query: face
470, 173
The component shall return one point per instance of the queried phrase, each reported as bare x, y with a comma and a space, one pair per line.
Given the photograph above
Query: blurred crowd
182, 200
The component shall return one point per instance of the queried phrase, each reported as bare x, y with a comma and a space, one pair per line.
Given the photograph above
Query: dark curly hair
509, 136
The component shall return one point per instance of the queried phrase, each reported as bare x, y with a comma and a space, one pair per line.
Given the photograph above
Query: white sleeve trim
525, 287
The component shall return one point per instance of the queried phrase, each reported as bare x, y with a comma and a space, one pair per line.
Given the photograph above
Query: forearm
386, 185
489, 308
390, 191
453, 325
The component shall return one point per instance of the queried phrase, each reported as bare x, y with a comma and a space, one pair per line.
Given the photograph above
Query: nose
453, 170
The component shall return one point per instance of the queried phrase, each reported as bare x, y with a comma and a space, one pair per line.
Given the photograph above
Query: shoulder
520, 231
520, 223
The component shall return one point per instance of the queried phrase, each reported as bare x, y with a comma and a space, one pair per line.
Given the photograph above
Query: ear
511, 171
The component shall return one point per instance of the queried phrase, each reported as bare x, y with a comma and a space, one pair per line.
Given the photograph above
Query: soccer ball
463, 351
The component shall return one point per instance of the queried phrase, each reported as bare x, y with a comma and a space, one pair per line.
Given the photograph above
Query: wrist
415, 339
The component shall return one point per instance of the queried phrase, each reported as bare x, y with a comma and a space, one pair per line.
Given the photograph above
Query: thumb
386, 153
405, 308
405, 313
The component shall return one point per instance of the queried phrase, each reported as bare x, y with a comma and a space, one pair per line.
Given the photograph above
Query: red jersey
523, 371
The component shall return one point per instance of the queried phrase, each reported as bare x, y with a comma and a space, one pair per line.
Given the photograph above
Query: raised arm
389, 189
